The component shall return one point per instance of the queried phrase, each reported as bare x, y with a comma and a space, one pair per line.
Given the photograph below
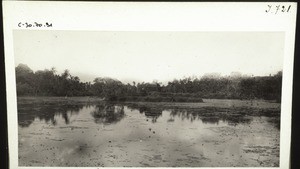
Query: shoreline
208, 106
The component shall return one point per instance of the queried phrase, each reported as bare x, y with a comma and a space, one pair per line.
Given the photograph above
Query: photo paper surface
124, 84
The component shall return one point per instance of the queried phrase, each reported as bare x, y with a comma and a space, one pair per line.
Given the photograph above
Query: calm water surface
119, 135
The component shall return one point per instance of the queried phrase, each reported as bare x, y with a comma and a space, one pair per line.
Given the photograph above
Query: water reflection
152, 113
184, 114
210, 117
234, 120
116, 135
28, 113
275, 122
108, 113
210, 120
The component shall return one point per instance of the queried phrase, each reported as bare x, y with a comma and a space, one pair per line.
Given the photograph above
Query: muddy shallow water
114, 135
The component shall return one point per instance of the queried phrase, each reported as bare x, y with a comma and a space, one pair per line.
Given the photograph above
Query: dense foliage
49, 83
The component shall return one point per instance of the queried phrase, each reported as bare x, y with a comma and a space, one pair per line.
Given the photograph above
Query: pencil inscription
34, 24
278, 8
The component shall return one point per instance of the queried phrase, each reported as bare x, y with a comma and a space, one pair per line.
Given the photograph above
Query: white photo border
150, 16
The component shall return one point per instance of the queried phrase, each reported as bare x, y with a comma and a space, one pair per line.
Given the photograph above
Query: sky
148, 56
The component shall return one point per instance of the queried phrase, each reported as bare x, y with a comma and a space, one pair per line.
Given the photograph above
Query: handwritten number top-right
278, 8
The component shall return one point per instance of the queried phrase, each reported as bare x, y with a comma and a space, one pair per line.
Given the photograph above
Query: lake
216, 133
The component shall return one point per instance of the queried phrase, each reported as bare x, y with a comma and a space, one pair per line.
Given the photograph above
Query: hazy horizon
89, 78
149, 56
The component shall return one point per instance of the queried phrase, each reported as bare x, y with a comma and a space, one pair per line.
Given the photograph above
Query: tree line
50, 83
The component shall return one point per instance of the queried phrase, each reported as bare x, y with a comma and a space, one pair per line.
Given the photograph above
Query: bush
24, 89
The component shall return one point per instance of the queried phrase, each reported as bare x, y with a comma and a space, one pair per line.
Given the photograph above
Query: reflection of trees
24, 119
29, 112
197, 114
108, 113
184, 114
65, 117
154, 114
212, 115
234, 120
150, 112
275, 121
210, 120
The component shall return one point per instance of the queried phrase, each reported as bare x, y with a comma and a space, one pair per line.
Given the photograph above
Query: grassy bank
87, 99
217, 103
57, 100
152, 98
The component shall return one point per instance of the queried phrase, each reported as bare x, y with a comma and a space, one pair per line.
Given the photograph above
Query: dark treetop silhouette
49, 83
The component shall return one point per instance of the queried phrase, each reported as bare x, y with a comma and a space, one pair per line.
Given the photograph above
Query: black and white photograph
95, 98
174, 99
